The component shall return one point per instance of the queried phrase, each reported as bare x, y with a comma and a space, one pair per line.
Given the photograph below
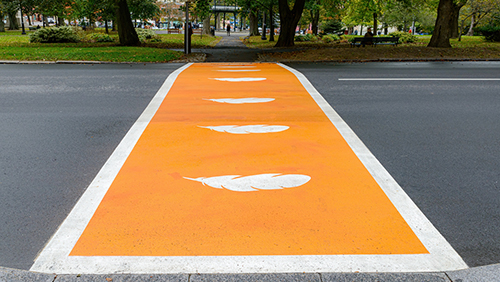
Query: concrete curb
489, 273
262, 58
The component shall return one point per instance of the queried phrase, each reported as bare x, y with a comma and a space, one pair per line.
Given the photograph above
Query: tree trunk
106, 26
456, 15
254, 24
289, 19
2, 24
13, 23
206, 25
442, 29
271, 24
126, 32
314, 21
472, 24
375, 24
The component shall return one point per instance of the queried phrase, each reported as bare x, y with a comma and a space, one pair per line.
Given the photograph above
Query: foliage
405, 37
54, 35
333, 26
147, 35
101, 37
329, 38
490, 33
306, 38
143, 9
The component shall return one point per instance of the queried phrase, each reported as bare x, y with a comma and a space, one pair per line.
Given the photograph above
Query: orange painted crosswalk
154, 208
243, 168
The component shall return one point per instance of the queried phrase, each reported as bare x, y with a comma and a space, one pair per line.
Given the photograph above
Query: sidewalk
489, 273
231, 49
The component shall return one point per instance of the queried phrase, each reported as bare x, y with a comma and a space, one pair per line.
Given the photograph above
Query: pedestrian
368, 36
228, 29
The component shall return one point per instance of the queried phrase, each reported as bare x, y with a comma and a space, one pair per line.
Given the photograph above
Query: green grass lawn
470, 47
14, 46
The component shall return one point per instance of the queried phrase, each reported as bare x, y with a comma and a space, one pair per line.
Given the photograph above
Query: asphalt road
58, 126
438, 139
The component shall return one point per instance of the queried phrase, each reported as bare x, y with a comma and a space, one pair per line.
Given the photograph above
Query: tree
252, 7
2, 15
314, 7
202, 10
289, 19
126, 31
143, 9
444, 23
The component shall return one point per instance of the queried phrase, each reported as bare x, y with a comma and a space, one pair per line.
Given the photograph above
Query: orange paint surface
151, 210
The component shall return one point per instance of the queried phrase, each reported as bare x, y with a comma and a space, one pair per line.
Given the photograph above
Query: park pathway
231, 49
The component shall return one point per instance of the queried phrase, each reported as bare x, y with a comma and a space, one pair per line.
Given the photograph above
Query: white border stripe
442, 255
63, 241
420, 79
54, 258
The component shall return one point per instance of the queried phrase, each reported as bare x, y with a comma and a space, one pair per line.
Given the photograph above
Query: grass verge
470, 47
14, 46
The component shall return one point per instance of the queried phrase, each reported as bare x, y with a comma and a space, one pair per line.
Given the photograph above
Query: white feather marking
242, 100
269, 181
237, 70
240, 79
247, 129
237, 67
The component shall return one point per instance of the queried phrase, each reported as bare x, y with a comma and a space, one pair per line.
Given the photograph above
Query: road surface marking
240, 79
242, 100
239, 70
420, 79
343, 212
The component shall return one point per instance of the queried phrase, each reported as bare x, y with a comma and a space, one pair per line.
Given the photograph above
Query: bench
197, 31
172, 30
374, 41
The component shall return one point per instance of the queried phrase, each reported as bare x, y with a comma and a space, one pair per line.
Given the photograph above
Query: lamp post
187, 32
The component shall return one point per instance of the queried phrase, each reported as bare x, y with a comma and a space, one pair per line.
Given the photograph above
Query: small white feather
247, 129
269, 181
242, 100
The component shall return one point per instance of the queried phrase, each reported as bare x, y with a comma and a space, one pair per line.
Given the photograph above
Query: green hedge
490, 33
62, 34
147, 35
404, 37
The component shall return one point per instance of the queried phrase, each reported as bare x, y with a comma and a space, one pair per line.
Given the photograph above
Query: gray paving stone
384, 277
489, 273
123, 278
264, 277
15, 275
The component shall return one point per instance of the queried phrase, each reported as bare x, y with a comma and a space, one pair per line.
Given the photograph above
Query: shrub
147, 34
62, 34
490, 33
100, 37
300, 38
404, 37
306, 37
329, 38
333, 26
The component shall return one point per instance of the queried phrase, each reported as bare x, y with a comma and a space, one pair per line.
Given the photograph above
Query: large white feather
242, 100
240, 79
269, 181
247, 129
